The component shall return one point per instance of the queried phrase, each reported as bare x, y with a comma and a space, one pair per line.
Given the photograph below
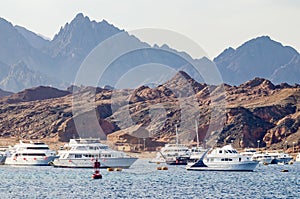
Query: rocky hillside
242, 115
4, 93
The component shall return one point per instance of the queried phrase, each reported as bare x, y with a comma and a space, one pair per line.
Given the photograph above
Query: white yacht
30, 153
280, 157
82, 153
173, 154
223, 159
249, 152
262, 158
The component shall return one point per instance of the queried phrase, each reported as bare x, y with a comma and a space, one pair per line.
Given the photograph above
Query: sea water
143, 180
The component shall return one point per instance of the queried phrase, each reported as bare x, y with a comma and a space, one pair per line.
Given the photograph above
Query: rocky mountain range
259, 57
241, 115
28, 60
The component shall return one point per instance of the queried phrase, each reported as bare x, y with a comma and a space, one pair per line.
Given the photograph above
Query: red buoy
97, 174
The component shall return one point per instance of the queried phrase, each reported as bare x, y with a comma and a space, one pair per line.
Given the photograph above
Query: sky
213, 24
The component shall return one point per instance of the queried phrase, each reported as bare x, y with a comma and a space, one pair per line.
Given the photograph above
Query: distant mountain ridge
56, 62
4, 93
259, 57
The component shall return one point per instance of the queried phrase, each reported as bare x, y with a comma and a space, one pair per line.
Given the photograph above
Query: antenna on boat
197, 136
176, 134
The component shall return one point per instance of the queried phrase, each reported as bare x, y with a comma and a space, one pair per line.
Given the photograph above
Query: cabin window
220, 151
37, 148
78, 156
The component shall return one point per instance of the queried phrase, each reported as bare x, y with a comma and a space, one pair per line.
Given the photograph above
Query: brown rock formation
255, 110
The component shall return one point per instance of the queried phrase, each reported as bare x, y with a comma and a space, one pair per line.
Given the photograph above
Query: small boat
30, 153
223, 159
280, 157
81, 153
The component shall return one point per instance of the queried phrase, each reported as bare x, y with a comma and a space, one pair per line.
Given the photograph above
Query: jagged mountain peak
80, 36
183, 84
258, 82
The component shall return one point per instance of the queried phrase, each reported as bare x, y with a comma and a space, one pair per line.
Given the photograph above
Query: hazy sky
213, 24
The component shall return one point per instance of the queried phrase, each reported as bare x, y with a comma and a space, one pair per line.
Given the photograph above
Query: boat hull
264, 160
178, 161
88, 163
239, 166
2, 159
281, 160
30, 161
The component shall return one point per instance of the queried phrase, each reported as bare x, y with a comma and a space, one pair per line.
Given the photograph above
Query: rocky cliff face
255, 110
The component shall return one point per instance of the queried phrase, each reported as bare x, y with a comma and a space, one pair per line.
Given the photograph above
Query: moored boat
173, 154
81, 153
223, 159
280, 157
30, 153
262, 158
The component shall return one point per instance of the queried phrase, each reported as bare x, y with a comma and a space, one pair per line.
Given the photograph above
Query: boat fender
118, 169
265, 163
110, 169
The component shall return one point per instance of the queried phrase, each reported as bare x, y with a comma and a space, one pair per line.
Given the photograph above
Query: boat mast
176, 134
197, 136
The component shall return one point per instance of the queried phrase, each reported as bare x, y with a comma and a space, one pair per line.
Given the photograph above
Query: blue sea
143, 180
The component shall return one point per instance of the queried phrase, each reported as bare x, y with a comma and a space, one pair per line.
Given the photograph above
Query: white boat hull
30, 161
88, 163
233, 166
264, 160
